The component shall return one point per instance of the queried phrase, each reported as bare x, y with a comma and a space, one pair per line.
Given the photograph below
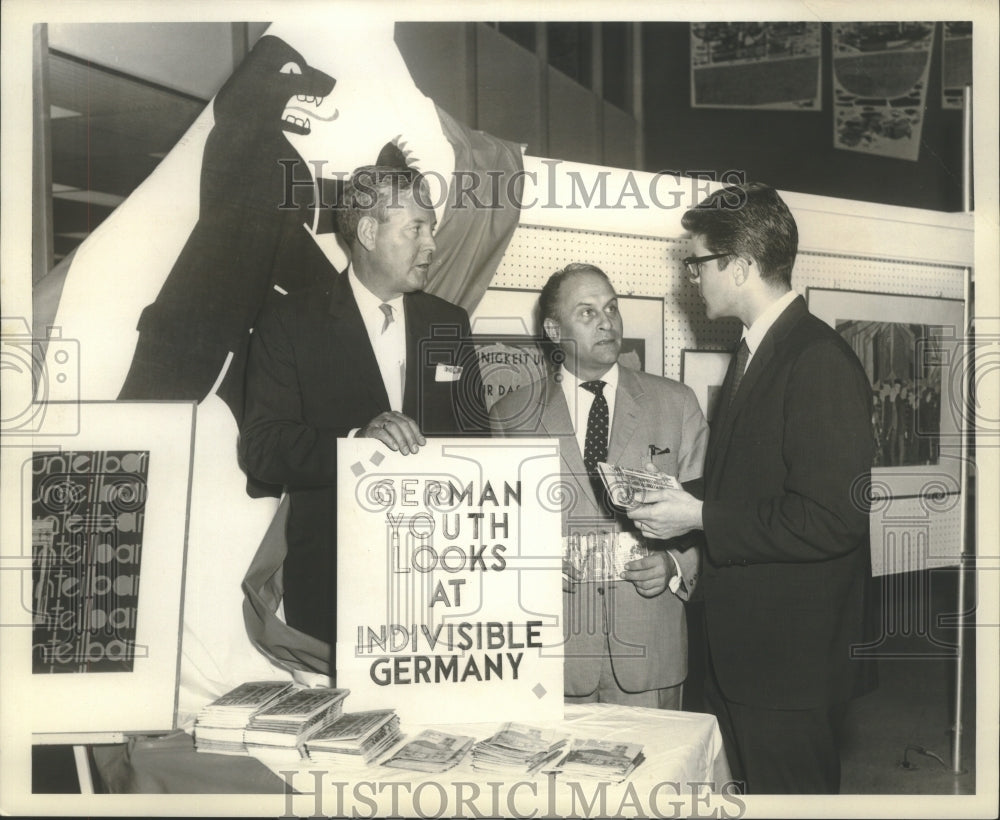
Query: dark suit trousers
309, 572
777, 751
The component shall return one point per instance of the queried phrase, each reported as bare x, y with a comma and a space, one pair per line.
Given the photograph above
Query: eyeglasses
693, 264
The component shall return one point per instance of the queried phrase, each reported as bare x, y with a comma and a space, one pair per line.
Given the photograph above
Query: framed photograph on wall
104, 501
704, 371
512, 353
913, 350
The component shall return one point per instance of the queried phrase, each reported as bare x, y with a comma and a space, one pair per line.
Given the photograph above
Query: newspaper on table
601, 759
288, 721
517, 748
431, 751
354, 735
220, 724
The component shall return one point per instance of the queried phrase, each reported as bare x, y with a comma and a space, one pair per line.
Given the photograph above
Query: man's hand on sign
396, 431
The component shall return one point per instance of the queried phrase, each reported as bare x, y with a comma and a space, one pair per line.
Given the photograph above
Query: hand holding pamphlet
628, 487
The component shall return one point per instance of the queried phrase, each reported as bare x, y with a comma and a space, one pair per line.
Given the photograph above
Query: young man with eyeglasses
785, 512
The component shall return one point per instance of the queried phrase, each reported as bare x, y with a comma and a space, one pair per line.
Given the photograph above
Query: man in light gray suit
625, 640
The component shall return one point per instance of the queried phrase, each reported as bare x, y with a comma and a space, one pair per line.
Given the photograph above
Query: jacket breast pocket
665, 462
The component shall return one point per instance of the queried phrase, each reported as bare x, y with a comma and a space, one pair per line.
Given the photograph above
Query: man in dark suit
626, 635
371, 356
785, 515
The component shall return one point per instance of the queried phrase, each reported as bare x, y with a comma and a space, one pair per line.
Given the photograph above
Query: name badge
447, 373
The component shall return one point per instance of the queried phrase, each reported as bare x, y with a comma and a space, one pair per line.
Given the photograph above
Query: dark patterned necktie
596, 444
742, 355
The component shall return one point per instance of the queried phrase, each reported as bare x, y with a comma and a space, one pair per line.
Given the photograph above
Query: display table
683, 750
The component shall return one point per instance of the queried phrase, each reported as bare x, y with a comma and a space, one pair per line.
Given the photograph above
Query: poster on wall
914, 354
105, 493
956, 62
756, 65
88, 516
512, 355
911, 350
453, 607
880, 73
510, 363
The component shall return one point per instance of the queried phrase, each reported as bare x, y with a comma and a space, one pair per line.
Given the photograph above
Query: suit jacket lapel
626, 420
555, 421
416, 329
718, 419
722, 428
352, 340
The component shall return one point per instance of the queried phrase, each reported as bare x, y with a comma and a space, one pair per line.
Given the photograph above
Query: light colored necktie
389, 319
387, 310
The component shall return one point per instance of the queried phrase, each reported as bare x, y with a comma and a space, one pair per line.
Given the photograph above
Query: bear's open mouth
299, 113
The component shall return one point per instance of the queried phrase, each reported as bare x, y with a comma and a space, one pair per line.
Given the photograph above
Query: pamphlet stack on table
431, 751
602, 759
518, 749
289, 721
220, 725
276, 720
353, 736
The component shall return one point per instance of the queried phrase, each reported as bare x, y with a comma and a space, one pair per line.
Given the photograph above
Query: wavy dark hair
748, 220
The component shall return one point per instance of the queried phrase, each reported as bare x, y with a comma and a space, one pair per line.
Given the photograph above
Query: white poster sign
449, 604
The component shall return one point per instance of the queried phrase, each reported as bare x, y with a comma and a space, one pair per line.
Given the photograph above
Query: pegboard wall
648, 266
915, 533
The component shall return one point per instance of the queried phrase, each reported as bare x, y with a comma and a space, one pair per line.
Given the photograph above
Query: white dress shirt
389, 346
758, 330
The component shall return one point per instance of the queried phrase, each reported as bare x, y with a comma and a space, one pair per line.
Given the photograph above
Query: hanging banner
756, 65
449, 597
880, 73
956, 62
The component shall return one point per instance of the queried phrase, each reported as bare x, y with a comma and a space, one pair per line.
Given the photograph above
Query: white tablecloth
683, 750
